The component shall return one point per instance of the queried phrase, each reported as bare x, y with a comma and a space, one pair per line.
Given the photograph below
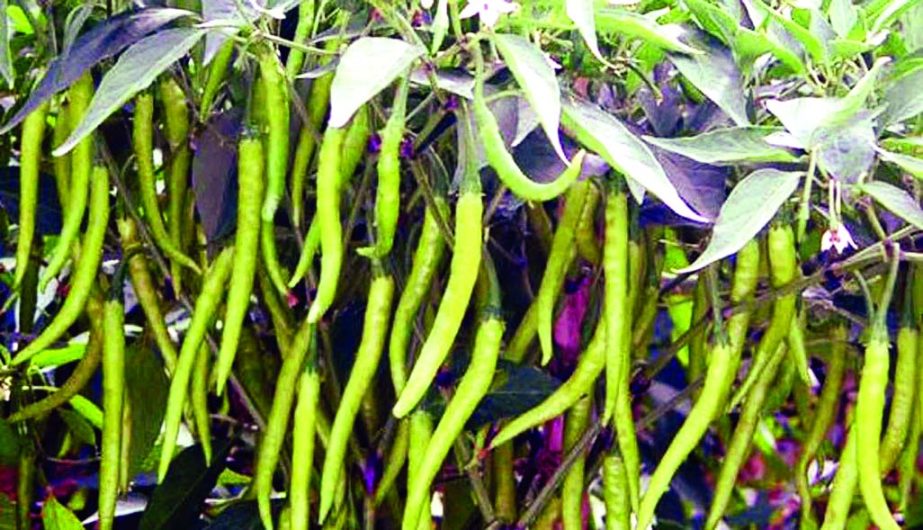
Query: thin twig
547, 492
481, 496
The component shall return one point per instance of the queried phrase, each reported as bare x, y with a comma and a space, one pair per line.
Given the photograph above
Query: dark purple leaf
101, 42
700, 185
214, 174
241, 516
846, 150
664, 116
525, 387
48, 218
178, 499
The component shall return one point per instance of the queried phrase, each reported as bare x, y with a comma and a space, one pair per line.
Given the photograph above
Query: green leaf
714, 20
890, 13
843, 16
581, 13
6, 58
896, 201
848, 48
810, 120
910, 164
59, 356
812, 44
716, 74
147, 388
177, 501
57, 517
537, 80
911, 145
9, 444
7, 513
605, 135
367, 66
79, 427
727, 146
229, 477
664, 36
440, 24
750, 44
749, 207
912, 28
89, 410
855, 100
135, 70
902, 97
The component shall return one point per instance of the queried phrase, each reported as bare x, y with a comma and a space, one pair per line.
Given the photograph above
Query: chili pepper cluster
432, 294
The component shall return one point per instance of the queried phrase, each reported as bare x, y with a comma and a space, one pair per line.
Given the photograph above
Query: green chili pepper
377, 317
246, 244
81, 157
30, 158
560, 258
84, 276
203, 314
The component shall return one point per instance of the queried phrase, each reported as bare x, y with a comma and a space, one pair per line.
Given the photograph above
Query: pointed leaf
750, 206
214, 171
663, 36
581, 14
716, 74
147, 387
8, 511
57, 517
440, 25
803, 116
887, 15
100, 43
811, 43
72, 26
232, 15
88, 410
177, 501
6, 58
843, 16
847, 150
135, 70
896, 201
368, 66
727, 146
903, 97
811, 119
714, 20
9, 444
749, 44
457, 82
910, 164
537, 80
239, 516
80, 429
604, 134
523, 388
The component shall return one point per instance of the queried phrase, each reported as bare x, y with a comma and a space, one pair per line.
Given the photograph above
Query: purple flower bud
407, 151
374, 145
451, 104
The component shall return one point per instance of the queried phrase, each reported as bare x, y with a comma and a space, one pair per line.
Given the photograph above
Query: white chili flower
837, 237
426, 4
489, 11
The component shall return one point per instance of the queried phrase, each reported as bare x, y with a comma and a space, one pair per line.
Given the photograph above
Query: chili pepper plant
461, 264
